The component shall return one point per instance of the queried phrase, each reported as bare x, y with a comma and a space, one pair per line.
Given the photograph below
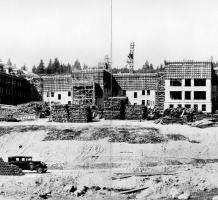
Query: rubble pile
114, 108
79, 113
135, 112
59, 113
9, 170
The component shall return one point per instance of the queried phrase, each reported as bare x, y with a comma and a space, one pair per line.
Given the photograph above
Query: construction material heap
59, 113
178, 115
79, 113
40, 109
71, 113
9, 170
114, 108
135, 112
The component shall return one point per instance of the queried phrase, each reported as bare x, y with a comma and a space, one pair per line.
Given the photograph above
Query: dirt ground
106, 159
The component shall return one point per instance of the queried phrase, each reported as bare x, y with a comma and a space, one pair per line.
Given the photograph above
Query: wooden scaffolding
137, 81
84, 93
160, 94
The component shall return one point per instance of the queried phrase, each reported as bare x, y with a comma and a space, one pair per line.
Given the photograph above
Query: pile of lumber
59, 113
9, 170
71, 113
79, 113
135, 112
114, 108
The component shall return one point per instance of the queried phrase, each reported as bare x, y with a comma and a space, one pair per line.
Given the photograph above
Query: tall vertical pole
111, 54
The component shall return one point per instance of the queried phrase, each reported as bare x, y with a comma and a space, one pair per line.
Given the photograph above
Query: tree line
146, 68
55, 67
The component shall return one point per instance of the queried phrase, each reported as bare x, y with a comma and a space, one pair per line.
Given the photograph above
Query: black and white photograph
109, 99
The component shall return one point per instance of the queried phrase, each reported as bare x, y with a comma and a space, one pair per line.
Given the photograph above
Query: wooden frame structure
83, 93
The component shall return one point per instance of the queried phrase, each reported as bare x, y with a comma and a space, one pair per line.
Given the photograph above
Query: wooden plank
133, 190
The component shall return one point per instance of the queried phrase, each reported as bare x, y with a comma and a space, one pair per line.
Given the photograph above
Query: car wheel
39, 170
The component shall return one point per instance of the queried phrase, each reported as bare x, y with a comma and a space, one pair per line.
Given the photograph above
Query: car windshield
28, 159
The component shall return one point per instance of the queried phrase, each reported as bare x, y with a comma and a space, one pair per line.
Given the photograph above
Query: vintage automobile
26, 163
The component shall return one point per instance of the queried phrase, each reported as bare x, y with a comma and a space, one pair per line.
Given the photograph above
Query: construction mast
130, 60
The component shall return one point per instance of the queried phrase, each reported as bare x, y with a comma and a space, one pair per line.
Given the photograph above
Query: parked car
26, 163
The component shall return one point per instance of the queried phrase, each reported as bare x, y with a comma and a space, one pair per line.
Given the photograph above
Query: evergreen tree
56, 66
77, 65
24, 68
69, 68
49, 69
41, 68
34, 69
9, 63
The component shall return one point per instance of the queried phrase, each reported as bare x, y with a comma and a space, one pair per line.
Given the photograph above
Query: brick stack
59, 113
114, 108
79, 113
9, 170
135, 112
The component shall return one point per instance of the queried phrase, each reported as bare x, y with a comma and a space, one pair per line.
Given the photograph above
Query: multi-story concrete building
140, 88
16, 90
188, 84
57, 88
90, 86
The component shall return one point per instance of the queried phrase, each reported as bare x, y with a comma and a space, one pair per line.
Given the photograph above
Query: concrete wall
192, 88
140, 97
64, 97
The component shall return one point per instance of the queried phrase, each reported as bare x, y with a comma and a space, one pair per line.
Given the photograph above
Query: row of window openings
143, 93
59, 95
197, 82
198, 95
148, 102
143, 102
203, 106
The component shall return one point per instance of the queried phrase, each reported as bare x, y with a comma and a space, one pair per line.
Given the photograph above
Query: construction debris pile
9, 170
24, 111
135, 112
178, 115
153, 113
71, 113
79, 113
114, 108
40, 109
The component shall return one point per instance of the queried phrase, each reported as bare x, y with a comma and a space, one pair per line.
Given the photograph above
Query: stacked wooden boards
9, 170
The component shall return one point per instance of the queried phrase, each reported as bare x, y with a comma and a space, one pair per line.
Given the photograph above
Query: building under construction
189, 84
16, 90
88, 87
140, 88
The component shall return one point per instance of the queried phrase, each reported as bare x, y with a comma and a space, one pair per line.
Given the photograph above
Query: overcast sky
80, 29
